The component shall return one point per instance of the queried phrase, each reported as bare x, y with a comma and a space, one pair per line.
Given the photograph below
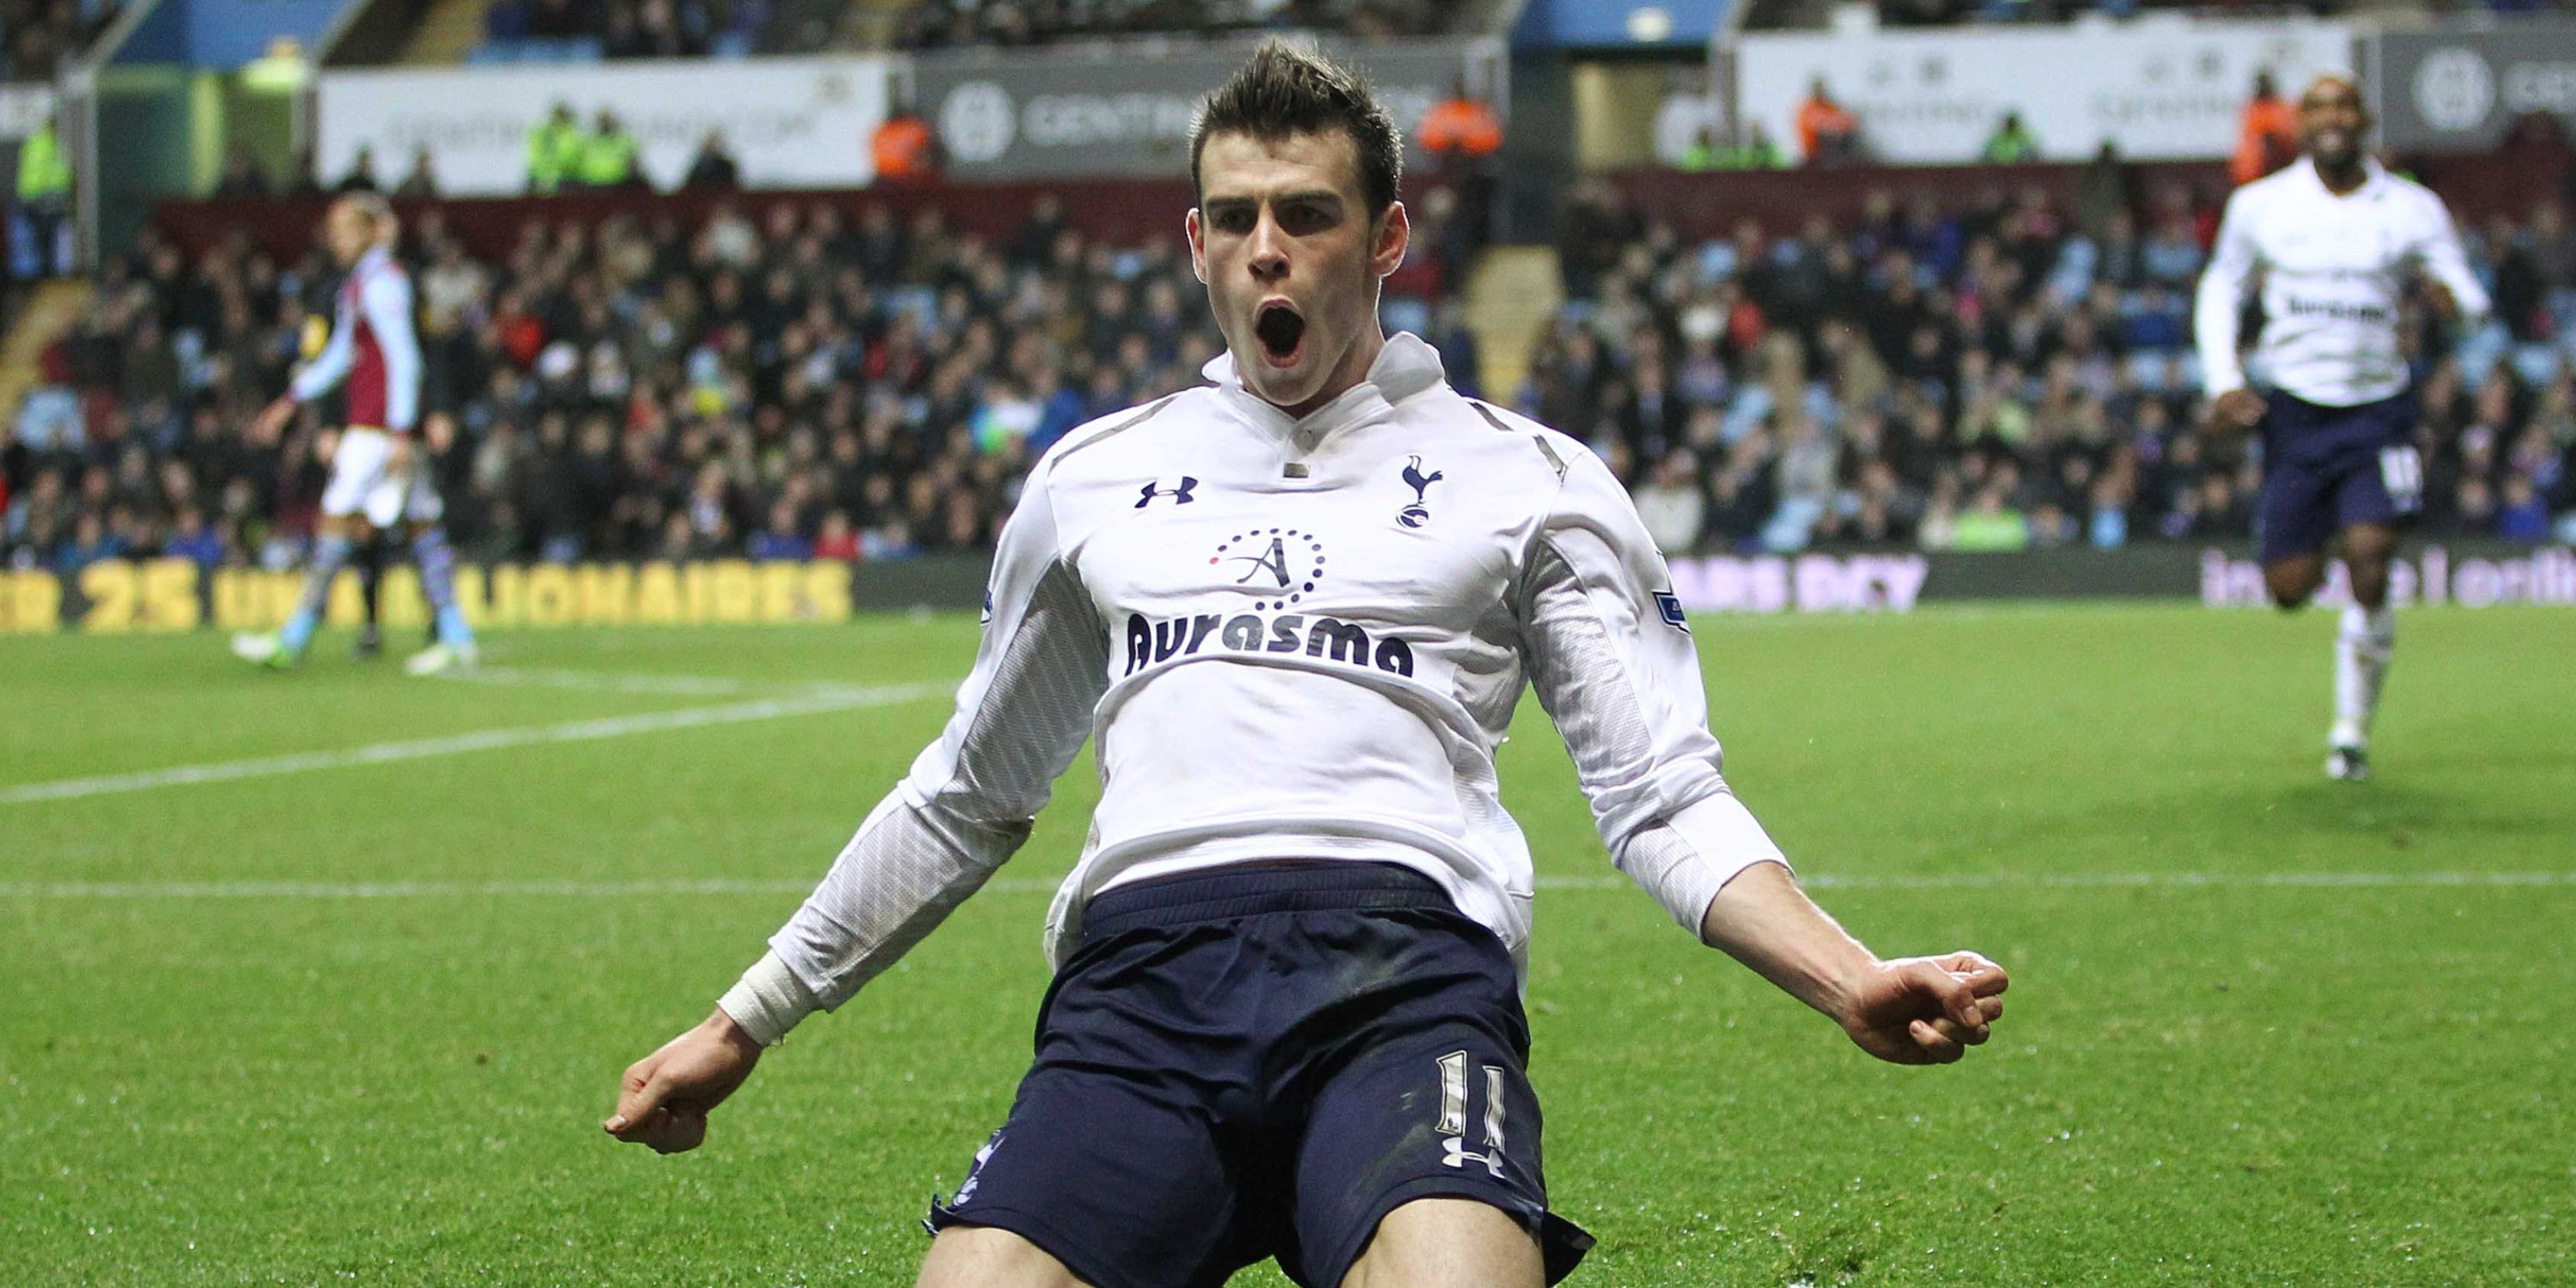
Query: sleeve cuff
1708, 843
768, 1000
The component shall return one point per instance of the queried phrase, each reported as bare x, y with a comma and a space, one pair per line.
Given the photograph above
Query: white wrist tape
768, 1000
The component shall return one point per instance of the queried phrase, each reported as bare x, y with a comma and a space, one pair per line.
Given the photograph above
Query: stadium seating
939, 24
783, 379
579, 31
41, 36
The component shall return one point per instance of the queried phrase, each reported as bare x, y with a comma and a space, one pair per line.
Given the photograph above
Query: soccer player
2336, 239
1296, 608
377, 477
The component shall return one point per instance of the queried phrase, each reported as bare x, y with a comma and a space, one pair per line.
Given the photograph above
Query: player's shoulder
386, 274
1495, 431
2281, 186
2414, 196
1105, 443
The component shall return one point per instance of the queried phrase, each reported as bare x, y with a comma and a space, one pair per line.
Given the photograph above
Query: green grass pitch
345, 1021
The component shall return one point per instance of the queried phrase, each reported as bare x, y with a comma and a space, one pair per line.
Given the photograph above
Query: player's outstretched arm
967, 805
1913, 1010
666, 1096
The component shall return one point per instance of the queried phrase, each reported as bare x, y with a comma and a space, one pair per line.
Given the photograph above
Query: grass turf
220, 1064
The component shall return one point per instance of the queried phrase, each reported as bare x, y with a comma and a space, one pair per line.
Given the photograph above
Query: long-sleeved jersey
2333, 268
1301, 639
373, 347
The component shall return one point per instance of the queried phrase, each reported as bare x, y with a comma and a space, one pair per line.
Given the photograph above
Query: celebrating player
2336, 239
377, 477
1296, 609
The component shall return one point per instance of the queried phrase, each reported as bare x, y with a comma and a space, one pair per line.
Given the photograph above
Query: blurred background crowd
794, 380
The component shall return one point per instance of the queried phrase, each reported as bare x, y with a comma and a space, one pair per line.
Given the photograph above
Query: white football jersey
2333, 269
1302, 639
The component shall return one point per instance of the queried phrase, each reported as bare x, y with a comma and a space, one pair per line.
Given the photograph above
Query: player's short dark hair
1282, 91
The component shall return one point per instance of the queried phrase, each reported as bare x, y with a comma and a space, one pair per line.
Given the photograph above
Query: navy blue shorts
1264, 1061
2328, 468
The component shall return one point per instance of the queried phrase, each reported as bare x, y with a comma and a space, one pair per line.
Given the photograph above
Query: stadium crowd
588, 30
42, 34
793, 382
942, 24
2014, 374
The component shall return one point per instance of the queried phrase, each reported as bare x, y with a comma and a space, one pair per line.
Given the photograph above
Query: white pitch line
1011, 885
693, 686
480, 740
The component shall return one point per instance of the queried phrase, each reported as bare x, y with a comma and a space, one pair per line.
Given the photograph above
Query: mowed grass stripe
379, 753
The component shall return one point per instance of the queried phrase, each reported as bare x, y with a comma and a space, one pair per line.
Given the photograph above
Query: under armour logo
1457, 1155
1416, 514
1180, 495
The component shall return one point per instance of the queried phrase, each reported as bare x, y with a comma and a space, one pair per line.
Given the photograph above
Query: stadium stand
573, 31
941, 24
785, 381
43, 34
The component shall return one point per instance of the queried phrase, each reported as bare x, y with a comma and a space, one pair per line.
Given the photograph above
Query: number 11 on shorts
1453, 1114
2402, 471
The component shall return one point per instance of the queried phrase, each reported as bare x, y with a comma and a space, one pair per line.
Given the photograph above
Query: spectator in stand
2267, 133
903, 146
1753, 149
608, 156
1672, 504
1461, 130
1462, 135
44, 204
2012, 143
839, 540
305, 179
243, 178
362, 173
1828, 134
714, 168
779, 542
555, 150
421, 184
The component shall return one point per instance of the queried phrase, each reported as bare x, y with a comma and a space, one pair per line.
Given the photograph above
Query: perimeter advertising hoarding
791, 122
2162, 88
2460, 87
1065, 113
163, 595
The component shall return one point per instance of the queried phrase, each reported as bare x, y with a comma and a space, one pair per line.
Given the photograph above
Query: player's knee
2290, 591
975, 1256
1448, 1243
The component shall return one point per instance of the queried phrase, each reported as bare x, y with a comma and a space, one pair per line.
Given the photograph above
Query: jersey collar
2373, 176
1405, 367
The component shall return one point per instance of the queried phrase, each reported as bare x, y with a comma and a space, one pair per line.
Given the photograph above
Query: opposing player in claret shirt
1295, 609
378, 478
2336, 240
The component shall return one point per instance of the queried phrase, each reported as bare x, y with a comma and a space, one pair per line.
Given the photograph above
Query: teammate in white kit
2335, 240
378, 480
1296, 609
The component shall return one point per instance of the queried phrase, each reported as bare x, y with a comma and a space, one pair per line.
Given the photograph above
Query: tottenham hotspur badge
1416, 514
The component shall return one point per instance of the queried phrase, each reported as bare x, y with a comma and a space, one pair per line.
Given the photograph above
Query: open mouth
1282, 332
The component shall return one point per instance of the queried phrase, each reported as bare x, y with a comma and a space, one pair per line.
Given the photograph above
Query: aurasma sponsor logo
1150, 641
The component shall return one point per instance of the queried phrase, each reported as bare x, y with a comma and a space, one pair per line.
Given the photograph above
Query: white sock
2362, 648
